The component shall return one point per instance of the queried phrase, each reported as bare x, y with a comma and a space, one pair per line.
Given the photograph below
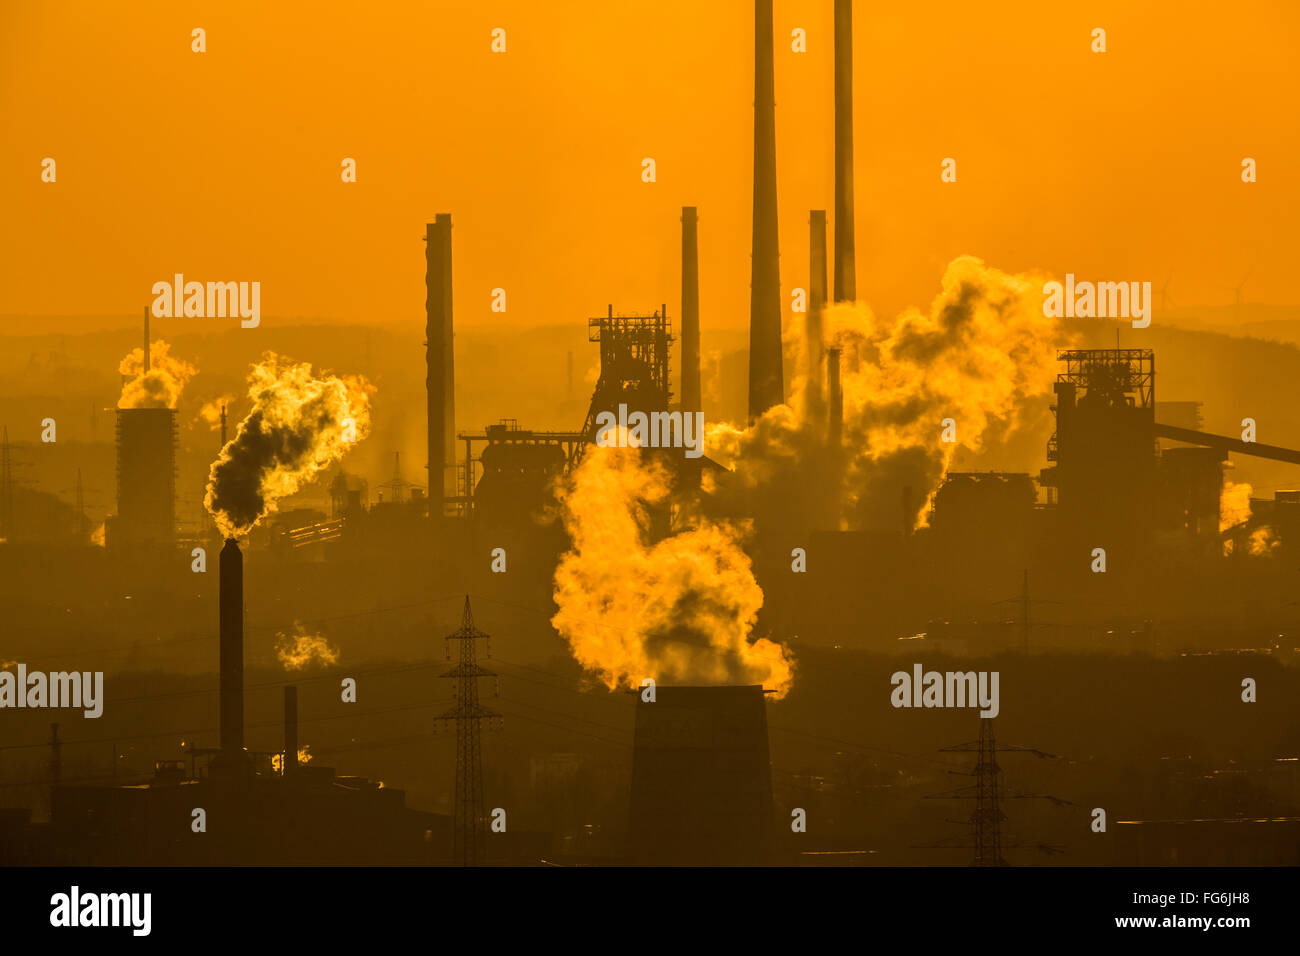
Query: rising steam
299, 425
976, 355
161, 386
210, 413
295, 651
678, 610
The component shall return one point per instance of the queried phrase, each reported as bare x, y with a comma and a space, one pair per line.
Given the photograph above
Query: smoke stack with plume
815, 345
298, 426
159, 385
210, 413
678, 610
978, 354
230, 605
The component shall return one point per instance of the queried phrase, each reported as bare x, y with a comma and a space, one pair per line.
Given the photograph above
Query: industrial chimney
815, 335
690, 312
290, 763
231, 617
766, 381
441, 381
146, 339
835, 424
846, 283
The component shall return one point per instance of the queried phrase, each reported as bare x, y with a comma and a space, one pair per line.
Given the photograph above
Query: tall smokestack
290, 730
766, 381
690, 312
846, 283
146, 338
835, 424
231, 603
441, 381
816, 303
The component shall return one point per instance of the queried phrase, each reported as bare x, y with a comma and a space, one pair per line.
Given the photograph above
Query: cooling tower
440, 383
766, 384
846, 283
146, 477
690, 312
701, 778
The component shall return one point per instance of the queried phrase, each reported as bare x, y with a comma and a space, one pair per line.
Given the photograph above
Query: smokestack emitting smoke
690, 312
846, 283
678, 610
146, 338
154, 379
980, 352
231, 617
440, 382
766, 382
298, 426
815, 344
290, 730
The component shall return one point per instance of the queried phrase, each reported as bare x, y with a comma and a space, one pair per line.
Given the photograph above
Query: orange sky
225, 165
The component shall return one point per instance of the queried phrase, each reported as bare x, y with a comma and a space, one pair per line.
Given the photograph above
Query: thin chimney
690, 312
440, 383
290, 763
146, 339
766, 381
835, 424
815, 334
846, 284
231, 615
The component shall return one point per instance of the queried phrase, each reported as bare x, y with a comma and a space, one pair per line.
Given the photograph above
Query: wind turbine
1165, 297
1236, 291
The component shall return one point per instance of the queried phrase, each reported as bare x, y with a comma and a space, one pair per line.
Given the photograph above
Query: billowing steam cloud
679, 609
161, 386
295, 651
210, 413
975, 356
1234, 504
299, 425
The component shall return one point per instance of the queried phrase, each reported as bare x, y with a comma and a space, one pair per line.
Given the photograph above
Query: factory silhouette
1124, 592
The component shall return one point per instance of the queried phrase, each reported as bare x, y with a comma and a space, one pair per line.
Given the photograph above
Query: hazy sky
225, 165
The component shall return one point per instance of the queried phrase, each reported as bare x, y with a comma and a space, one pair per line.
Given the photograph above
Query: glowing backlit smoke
161, 386
295, 651
299, 425
1263, 541
678, 610
1234, 504
98, 536
977, 355
211, 411
304, 757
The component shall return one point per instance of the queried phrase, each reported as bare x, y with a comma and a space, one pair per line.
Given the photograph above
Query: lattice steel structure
985, 821
633, 366
470, 819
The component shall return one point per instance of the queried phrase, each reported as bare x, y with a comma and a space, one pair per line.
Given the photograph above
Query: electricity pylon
470, 826
986, 820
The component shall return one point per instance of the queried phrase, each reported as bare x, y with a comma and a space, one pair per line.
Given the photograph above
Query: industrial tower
470, 816
986, 820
